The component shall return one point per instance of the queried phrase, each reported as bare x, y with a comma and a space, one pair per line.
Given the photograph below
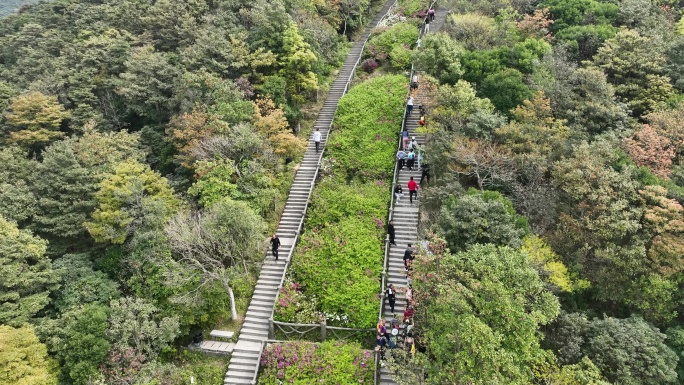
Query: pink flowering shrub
294, 306
331, 362
369, 65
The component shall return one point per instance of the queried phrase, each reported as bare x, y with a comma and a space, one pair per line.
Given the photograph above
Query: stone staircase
244, 362
405, 215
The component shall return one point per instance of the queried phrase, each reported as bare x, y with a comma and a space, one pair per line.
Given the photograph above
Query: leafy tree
596, 233
647, 148
581, 373
479, 218
534, 132
664, 222
64, 189
473, 31
220, 98
537, 24
456, 105
506, 89
7, 92
17, 201
584, 40
271, 123
214, 182
26, 275
23, 359
675, 60
634, 64
80, 284
297, 62
216, 246
675, 340
33, 119
79, 342
582, 96
579, 12
352, 12
478, 314
439, 56
135, 324
667, 123
628, 351
126, 198
147, 84
549, 265
100, 152
66, 181
187, 129
171, 22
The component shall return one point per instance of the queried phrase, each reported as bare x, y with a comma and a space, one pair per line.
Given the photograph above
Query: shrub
399, 35
294, 306
307, 363
369, 65
339, 258
340, 265
367, 122
400, 57
333, 201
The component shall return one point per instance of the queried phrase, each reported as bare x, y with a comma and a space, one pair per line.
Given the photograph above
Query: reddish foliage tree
648, 148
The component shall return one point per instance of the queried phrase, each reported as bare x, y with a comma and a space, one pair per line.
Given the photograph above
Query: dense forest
555, 212
147, 149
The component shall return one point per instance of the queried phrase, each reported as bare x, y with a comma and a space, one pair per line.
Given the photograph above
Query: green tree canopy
26, 275
79, 342
478, 314
23, 359
126, 198
34, 119
480, 218
635, 65
439, 56
506, 89
628, 351
17, 200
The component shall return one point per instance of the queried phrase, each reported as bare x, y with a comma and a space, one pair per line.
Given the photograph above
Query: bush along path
405, 214
244, 362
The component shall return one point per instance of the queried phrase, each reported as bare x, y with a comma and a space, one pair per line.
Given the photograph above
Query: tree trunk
233, 312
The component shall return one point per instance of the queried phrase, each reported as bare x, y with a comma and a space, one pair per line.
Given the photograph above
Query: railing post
271, 328
323, 330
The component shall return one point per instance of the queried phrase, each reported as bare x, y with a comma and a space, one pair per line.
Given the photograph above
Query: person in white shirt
414, 81
409, 104
317, 138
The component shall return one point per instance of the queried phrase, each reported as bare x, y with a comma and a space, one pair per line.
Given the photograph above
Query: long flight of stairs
405, 215
244, 362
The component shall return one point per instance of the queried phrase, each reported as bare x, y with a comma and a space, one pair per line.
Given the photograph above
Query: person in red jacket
413, 190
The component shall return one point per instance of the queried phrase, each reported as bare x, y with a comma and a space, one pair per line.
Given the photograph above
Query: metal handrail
318, 166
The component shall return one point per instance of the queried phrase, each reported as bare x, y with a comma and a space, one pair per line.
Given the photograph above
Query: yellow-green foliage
133, 191
23, 359
555, 272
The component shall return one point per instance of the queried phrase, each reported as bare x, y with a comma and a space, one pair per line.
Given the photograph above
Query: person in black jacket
391, 297
275, 245
390, 232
